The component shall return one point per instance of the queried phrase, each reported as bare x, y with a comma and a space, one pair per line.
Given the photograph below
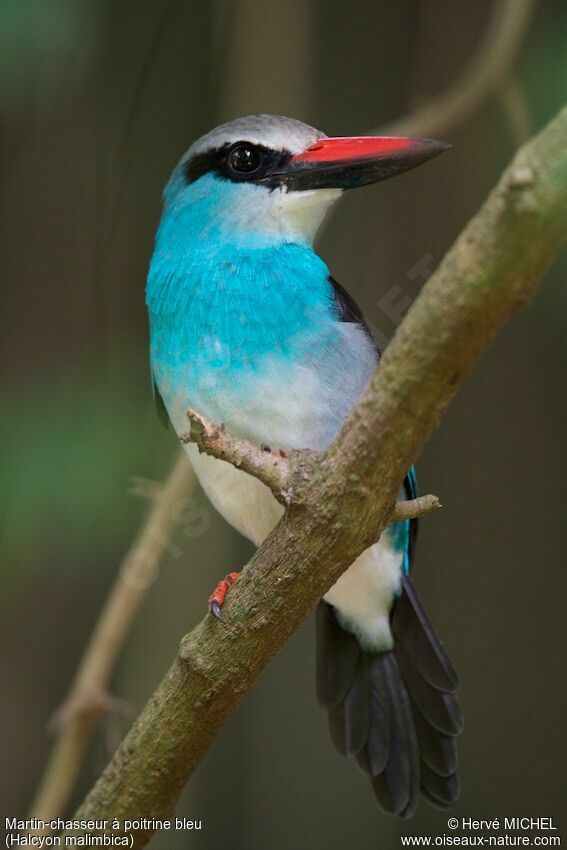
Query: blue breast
226, 306
221, 298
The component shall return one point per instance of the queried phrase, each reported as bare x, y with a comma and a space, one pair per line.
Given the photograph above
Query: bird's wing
349, 311
159, 403
410, 487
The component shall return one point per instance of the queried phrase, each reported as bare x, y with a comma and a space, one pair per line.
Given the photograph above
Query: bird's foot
217, 597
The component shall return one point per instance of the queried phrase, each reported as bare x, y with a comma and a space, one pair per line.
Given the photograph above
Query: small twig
269, 466
88, 698
413, 508
275, 468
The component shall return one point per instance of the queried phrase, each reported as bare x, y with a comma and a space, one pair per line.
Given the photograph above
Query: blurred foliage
45, 48
543, 75
85, 438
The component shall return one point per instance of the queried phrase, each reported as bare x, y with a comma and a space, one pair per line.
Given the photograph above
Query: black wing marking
349, 311
160, 405
410, 486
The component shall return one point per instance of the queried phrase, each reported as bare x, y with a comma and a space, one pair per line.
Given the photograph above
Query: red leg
217, 597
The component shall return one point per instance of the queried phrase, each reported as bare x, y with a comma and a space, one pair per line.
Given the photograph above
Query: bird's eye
244, 158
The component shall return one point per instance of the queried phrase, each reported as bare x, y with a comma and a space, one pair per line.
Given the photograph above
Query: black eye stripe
203, 163
216, 161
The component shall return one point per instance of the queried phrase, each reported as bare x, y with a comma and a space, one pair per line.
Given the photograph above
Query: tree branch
482, 77
492, 270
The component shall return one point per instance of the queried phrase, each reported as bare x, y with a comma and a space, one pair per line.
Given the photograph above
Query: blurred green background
97, 102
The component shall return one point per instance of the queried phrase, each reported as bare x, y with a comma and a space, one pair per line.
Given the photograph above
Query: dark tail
395, 711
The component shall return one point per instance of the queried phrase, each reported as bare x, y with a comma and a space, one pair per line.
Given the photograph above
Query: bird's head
265, 177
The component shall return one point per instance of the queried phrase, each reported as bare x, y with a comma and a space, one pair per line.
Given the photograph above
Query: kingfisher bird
249, 328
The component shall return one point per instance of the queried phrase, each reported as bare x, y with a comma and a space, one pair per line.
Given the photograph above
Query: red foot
217, 597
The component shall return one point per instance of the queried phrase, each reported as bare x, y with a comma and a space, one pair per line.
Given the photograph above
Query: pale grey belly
363, 595
283, 402
242, 500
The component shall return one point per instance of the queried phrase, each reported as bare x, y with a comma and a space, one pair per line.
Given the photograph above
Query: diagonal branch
493, 270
